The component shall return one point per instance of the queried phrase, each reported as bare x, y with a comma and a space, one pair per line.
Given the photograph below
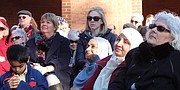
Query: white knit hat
73, 35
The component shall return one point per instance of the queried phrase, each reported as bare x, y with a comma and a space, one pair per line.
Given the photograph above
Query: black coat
58, 55
150, 68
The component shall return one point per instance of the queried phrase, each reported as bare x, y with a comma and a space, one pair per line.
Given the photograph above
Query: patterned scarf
43, 45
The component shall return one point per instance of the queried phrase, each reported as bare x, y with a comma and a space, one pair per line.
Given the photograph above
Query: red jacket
101, 64
4, 65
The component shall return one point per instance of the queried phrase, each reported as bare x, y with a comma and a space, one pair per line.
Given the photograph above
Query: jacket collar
161, 51
54, 45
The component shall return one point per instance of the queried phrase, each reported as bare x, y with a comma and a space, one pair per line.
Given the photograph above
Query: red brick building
117, 12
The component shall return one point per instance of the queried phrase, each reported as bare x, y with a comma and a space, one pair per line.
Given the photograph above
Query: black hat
24, 12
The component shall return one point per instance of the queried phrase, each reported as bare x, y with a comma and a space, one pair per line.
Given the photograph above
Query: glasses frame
2, 28
134, 21
71, 41
15, 38
95, 18
22, 17
159, 28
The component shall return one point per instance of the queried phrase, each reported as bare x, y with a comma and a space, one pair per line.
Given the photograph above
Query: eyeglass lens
71, 41
15, 38
95, 18
23, 17
159, 28
1, 28
134, 21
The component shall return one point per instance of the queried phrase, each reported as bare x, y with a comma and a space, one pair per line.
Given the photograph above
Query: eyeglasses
134, 21
1, 28
71, 41
16, 38
95, 18
21, 17
159, 28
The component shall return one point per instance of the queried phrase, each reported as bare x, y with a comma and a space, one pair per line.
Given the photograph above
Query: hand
42, 69
75, 89
14, 82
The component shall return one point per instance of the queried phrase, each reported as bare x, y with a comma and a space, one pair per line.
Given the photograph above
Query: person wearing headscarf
5, 36
97, 48
108, 67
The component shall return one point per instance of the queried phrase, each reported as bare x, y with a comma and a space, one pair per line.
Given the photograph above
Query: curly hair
173, 22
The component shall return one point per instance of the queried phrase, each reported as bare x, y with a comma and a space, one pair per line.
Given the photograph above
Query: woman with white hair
19, 36
155, 64
108, 67
97, 48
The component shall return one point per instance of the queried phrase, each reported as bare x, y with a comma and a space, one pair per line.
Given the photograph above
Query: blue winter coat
34, 80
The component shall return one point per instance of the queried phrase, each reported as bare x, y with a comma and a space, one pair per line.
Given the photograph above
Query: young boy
21, 76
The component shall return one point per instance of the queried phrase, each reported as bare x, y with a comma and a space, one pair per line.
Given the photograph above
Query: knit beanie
73, 35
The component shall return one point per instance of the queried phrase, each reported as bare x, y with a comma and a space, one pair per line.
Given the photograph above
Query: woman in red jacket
5, 36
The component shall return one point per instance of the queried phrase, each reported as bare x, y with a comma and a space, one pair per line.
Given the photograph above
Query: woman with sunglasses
50, 53
96, 25
155, 64
5, 36
19, 36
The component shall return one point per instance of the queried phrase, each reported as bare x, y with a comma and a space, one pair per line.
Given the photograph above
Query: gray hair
51, 17
173, 23
20, 32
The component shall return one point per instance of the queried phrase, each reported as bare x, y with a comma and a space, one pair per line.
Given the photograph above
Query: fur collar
150, 53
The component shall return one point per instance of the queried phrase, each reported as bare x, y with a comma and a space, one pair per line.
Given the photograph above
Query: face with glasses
135, 21
24, 20
94, 21
158, 33
73, 44
18, 39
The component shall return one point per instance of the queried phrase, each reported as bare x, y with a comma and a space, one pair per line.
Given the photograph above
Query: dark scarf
159, 52
43, 44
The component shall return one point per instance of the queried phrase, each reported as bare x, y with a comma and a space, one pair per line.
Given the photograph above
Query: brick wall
117, 12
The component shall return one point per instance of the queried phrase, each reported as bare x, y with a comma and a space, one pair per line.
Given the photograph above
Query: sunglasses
21, 17
95, 18
71, 41
16, 38
134, 21
1, 28
159, 28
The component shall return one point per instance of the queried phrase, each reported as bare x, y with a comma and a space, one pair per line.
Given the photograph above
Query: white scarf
103, 79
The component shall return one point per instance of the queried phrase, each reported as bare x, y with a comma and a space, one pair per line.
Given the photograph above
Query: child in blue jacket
21, 76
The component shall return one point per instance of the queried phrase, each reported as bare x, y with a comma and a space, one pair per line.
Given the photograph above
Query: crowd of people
54, 57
